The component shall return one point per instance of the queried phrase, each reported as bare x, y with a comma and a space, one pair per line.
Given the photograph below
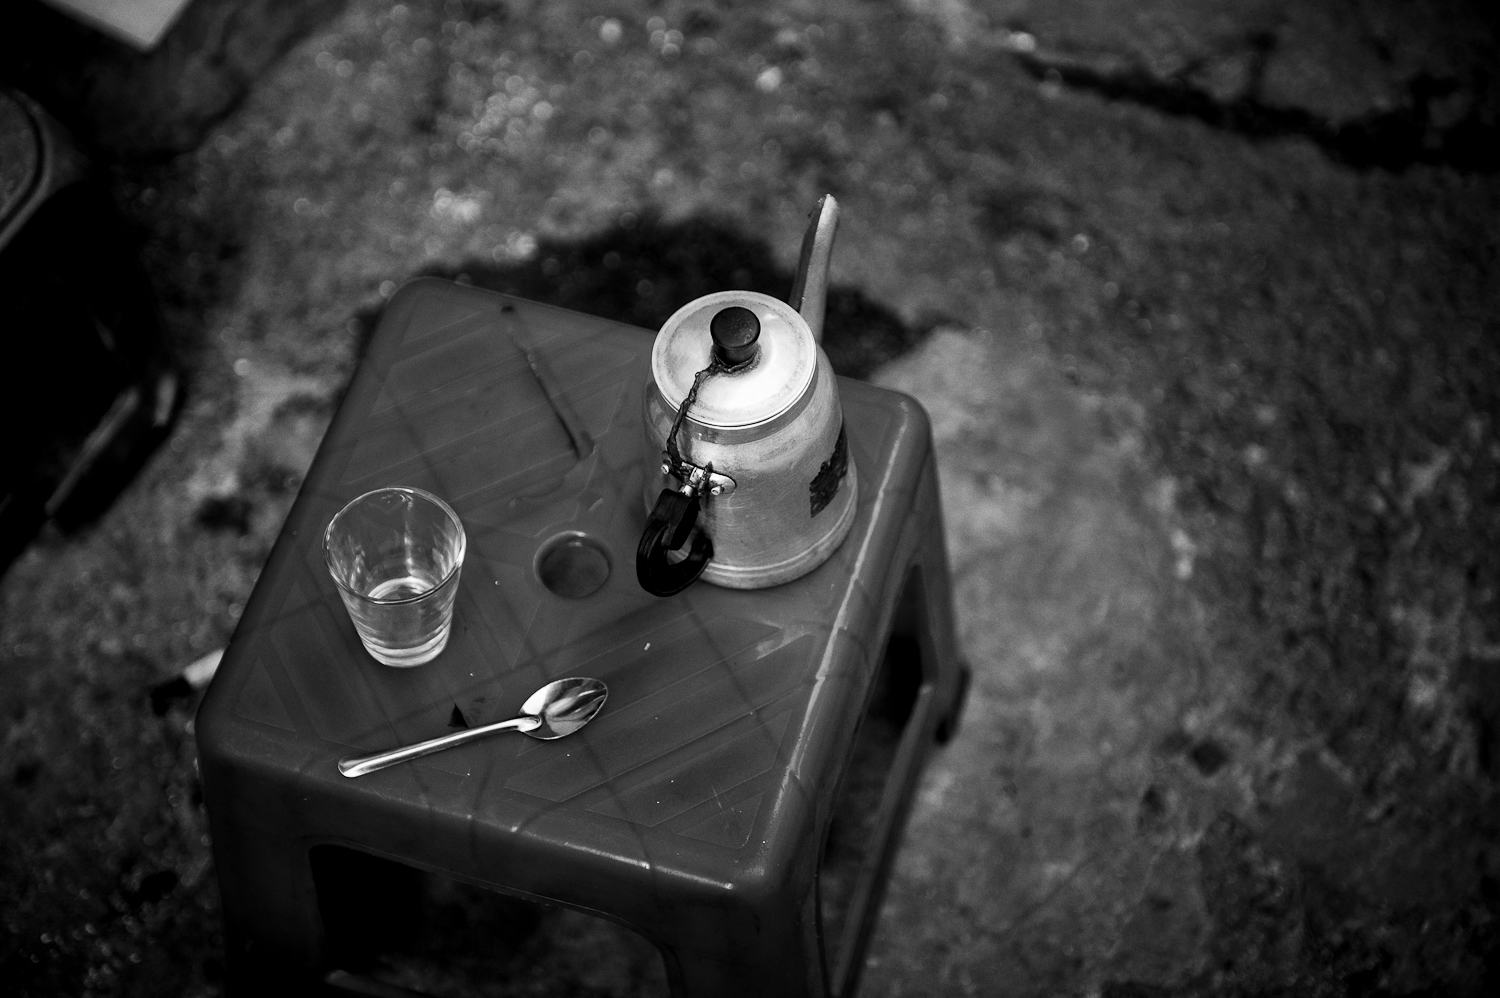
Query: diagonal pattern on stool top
705, 696
466, 412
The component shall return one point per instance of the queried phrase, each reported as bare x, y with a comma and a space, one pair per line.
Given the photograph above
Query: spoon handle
359, 765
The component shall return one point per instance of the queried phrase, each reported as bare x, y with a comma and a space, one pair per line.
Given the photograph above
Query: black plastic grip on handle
669, 526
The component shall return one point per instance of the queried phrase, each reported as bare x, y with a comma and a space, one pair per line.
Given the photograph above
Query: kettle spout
810, 289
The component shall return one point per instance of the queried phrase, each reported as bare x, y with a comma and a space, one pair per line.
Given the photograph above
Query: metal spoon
557, 709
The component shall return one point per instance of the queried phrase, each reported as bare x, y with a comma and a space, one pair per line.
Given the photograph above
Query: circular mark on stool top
572, 565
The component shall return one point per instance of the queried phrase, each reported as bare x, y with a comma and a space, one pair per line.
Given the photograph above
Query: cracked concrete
1372, 86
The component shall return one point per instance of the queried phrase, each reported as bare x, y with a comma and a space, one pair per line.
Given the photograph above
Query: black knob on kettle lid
735, 330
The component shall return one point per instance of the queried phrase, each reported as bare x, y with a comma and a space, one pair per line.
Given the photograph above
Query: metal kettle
751, 483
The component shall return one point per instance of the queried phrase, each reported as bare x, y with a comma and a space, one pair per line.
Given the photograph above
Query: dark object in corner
123, 104
85, 375
163, 695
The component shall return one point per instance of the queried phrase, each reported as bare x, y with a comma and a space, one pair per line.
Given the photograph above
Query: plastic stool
695, 807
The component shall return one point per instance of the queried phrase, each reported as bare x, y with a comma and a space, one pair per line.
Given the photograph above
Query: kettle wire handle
810, 288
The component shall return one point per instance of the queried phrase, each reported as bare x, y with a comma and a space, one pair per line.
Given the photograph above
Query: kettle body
782, 489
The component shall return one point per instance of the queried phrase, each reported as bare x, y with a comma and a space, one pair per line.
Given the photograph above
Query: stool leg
273, 931
924, 617
924, 612
947, 724
772, 951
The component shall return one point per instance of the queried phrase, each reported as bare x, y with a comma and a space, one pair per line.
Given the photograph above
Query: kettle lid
771, 382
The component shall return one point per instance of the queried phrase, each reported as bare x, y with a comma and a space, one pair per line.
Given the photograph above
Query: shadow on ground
642, 270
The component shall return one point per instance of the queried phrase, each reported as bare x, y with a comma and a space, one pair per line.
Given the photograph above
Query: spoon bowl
556, 710
564, 706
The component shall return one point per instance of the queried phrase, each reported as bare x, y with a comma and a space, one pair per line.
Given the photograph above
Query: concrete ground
1202, 299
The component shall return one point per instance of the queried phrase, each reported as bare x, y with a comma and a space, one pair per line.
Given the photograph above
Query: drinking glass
396, 554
